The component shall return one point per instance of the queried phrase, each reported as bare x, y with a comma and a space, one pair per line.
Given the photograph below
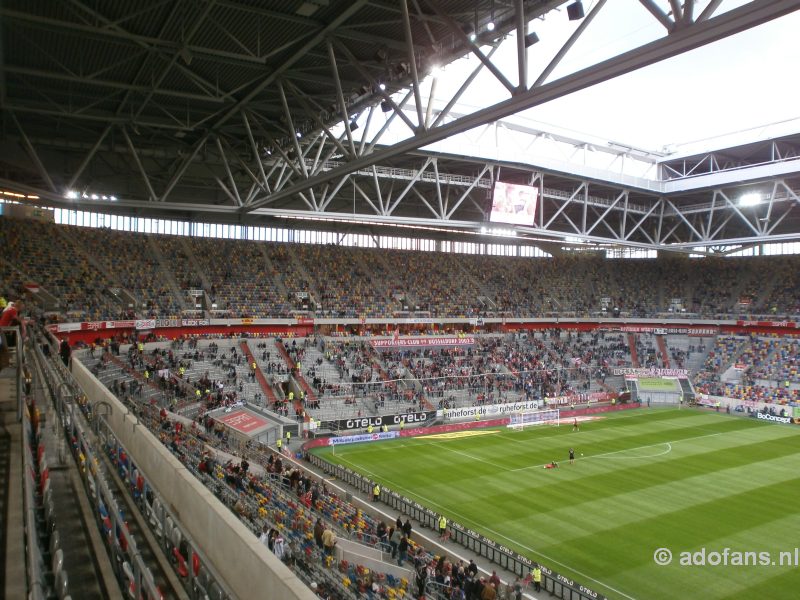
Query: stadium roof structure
239, 111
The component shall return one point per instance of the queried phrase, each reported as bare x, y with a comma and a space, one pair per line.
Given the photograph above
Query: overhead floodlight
382, 86
750, 199
575, 11
531, 39
105, 197
353, 125
473, 36
71, 195
94, 196
299, 134
386, 106
490, 26
114, 198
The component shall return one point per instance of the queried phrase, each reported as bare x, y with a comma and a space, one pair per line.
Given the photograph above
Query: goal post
524, 418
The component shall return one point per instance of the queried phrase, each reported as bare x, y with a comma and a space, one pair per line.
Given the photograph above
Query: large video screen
512, 203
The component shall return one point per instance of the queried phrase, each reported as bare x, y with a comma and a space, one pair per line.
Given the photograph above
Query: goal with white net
524, 418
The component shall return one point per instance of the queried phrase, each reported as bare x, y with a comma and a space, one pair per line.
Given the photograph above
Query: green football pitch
688, 481
656, 384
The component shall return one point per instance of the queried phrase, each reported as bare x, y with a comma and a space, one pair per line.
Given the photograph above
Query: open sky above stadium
737, 90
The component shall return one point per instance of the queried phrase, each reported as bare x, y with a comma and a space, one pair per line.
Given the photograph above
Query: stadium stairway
662, 347
309, 392
12, 535
187, 248
166, 273
270, 268
634, 354
262, 381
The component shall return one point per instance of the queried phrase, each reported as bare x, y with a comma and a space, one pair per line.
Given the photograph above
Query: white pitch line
606, 454
667, 451
465, 519
468, 455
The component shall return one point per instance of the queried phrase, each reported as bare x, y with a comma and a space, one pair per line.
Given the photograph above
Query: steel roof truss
469, 189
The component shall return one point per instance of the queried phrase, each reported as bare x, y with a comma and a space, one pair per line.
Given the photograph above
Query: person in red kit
10, 318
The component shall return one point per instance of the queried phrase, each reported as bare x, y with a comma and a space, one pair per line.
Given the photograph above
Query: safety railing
554, 583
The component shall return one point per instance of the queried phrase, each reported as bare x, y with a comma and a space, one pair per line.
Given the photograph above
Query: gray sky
741, 83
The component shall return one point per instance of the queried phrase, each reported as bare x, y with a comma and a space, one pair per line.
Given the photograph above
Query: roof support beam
88, 158
182, 169
659, 14
354, 7
554, 62
34, 156
340, 97
224, 158
412, 60
683, 40
138, 162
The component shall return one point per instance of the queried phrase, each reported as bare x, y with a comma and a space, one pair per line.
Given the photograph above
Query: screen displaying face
512, 203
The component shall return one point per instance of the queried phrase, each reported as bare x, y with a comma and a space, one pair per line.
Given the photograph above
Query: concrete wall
247, 566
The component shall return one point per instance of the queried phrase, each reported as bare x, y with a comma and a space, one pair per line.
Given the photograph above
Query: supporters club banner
423, 342
145, 324
634, 372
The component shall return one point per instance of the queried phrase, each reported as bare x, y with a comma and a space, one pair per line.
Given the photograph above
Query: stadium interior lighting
71, 195
94, 197
382, 86
531, 39
498, 232
386, 106
473, 36
750, 199
575, 11
490, 26
353, 125
299, 134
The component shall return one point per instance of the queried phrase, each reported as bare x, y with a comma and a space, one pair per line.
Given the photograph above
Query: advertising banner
767, 324
194, 322
364, 437
417, 418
